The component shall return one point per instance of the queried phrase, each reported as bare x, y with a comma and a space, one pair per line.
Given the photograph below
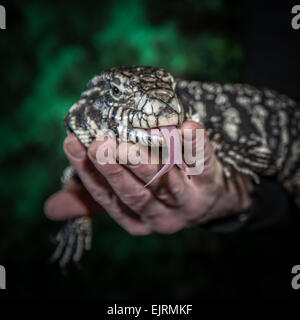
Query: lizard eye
116, 92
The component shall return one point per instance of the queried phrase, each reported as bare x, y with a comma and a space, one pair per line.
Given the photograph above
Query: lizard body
255, 132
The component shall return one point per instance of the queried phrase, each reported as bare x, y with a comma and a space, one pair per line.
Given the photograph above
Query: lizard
253, 131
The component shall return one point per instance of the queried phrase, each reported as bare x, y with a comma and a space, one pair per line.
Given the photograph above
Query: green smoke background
48, 53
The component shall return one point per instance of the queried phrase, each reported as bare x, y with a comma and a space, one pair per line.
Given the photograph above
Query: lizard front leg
75, 236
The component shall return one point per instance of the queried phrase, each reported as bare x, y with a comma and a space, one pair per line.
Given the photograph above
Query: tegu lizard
252, 131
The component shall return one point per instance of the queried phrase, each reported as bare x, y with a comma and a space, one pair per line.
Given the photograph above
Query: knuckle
137, 200
177, 190
100, 197
171, 195
112, 171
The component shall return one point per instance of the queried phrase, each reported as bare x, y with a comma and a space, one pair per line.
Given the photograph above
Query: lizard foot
73, 239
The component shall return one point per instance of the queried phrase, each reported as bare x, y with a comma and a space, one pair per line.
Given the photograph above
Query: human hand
169, 204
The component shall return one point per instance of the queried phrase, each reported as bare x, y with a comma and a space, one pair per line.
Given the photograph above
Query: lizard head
129, 101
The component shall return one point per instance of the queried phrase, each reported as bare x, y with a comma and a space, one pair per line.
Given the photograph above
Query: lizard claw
73, 239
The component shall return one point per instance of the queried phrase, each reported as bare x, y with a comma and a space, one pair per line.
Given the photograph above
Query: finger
71, 202
129, 189
169, 188
99, 189
198, 153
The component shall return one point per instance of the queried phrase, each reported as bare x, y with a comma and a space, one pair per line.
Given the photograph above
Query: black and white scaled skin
255, 132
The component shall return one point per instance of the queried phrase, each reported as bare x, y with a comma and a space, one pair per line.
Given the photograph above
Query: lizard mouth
153, 135
166, 135
162, 136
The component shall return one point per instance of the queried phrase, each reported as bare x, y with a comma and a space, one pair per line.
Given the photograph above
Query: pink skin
174, 151
170, 203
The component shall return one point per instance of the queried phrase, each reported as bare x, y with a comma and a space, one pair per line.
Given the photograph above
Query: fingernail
75, 148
